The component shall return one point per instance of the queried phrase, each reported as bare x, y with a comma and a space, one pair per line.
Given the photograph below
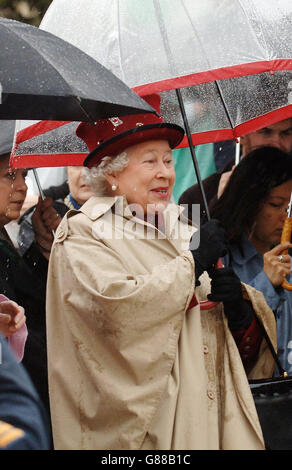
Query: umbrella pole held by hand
38, 183
286, 237
40, 189
205, 305
237, 151
196, 166
167, 48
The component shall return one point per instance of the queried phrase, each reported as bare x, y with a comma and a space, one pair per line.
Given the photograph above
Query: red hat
109, 137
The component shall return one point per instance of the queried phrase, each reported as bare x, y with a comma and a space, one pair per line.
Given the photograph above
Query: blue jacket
23, 420
248, 265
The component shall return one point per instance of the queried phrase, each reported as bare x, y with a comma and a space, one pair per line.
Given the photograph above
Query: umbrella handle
38, 183
286, 237
40, 189
206, 304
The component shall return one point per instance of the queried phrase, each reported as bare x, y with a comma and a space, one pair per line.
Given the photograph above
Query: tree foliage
28, 11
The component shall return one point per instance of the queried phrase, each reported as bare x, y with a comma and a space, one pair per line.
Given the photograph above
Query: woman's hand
45, 221
226, 287
211, 243
12, 317
277, 266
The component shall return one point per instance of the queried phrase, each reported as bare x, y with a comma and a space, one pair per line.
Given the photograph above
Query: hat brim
117, 144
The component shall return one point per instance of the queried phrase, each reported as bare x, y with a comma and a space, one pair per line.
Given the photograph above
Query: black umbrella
7, 129
45, 77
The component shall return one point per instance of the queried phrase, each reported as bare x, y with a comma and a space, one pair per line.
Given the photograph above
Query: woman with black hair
252, 209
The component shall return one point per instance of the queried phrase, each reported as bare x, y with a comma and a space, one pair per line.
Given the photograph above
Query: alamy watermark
132, 222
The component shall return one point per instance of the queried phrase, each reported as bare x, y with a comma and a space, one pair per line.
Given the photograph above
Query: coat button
205, 349
211, 394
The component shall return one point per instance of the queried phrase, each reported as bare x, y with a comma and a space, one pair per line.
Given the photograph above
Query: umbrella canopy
45, 77
238, 53
7, 129
261, 100
232, 67
47, 144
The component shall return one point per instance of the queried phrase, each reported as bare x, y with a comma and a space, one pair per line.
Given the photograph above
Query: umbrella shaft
289, 207
192, 150
38, 184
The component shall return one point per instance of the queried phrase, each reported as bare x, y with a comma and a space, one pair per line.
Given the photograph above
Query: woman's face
148, 179
12, 191
270, 219
78, 189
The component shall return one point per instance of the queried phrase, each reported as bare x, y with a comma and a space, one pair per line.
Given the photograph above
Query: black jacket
24, 281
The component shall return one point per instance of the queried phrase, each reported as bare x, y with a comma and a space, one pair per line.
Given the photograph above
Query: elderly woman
253, 216
133, 361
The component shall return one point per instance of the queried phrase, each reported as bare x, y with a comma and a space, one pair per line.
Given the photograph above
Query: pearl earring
114, 187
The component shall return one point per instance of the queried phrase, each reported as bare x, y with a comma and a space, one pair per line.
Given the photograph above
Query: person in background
77, 194
52, 180
277, 135
252, 209
24, 272
134, 362
23, 278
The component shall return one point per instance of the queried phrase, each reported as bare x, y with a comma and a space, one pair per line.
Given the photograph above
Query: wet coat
130, 365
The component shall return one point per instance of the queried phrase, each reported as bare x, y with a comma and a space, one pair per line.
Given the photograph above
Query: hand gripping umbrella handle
206, 304
286, 237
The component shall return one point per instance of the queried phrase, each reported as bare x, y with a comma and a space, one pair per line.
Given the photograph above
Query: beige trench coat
130, 367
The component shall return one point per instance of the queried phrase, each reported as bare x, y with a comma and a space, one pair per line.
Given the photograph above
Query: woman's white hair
95, 176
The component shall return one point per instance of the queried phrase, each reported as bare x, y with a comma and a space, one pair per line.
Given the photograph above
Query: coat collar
96, 207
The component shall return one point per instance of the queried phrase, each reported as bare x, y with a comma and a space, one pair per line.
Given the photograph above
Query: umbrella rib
248, 20
206, 56
224, 104
164, 36
120, 40
264, 31
181, 104
195, 32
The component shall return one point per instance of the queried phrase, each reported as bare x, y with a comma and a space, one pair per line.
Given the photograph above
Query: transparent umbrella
223, 68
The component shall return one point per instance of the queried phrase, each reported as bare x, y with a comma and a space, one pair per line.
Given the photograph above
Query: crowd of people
101, 299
